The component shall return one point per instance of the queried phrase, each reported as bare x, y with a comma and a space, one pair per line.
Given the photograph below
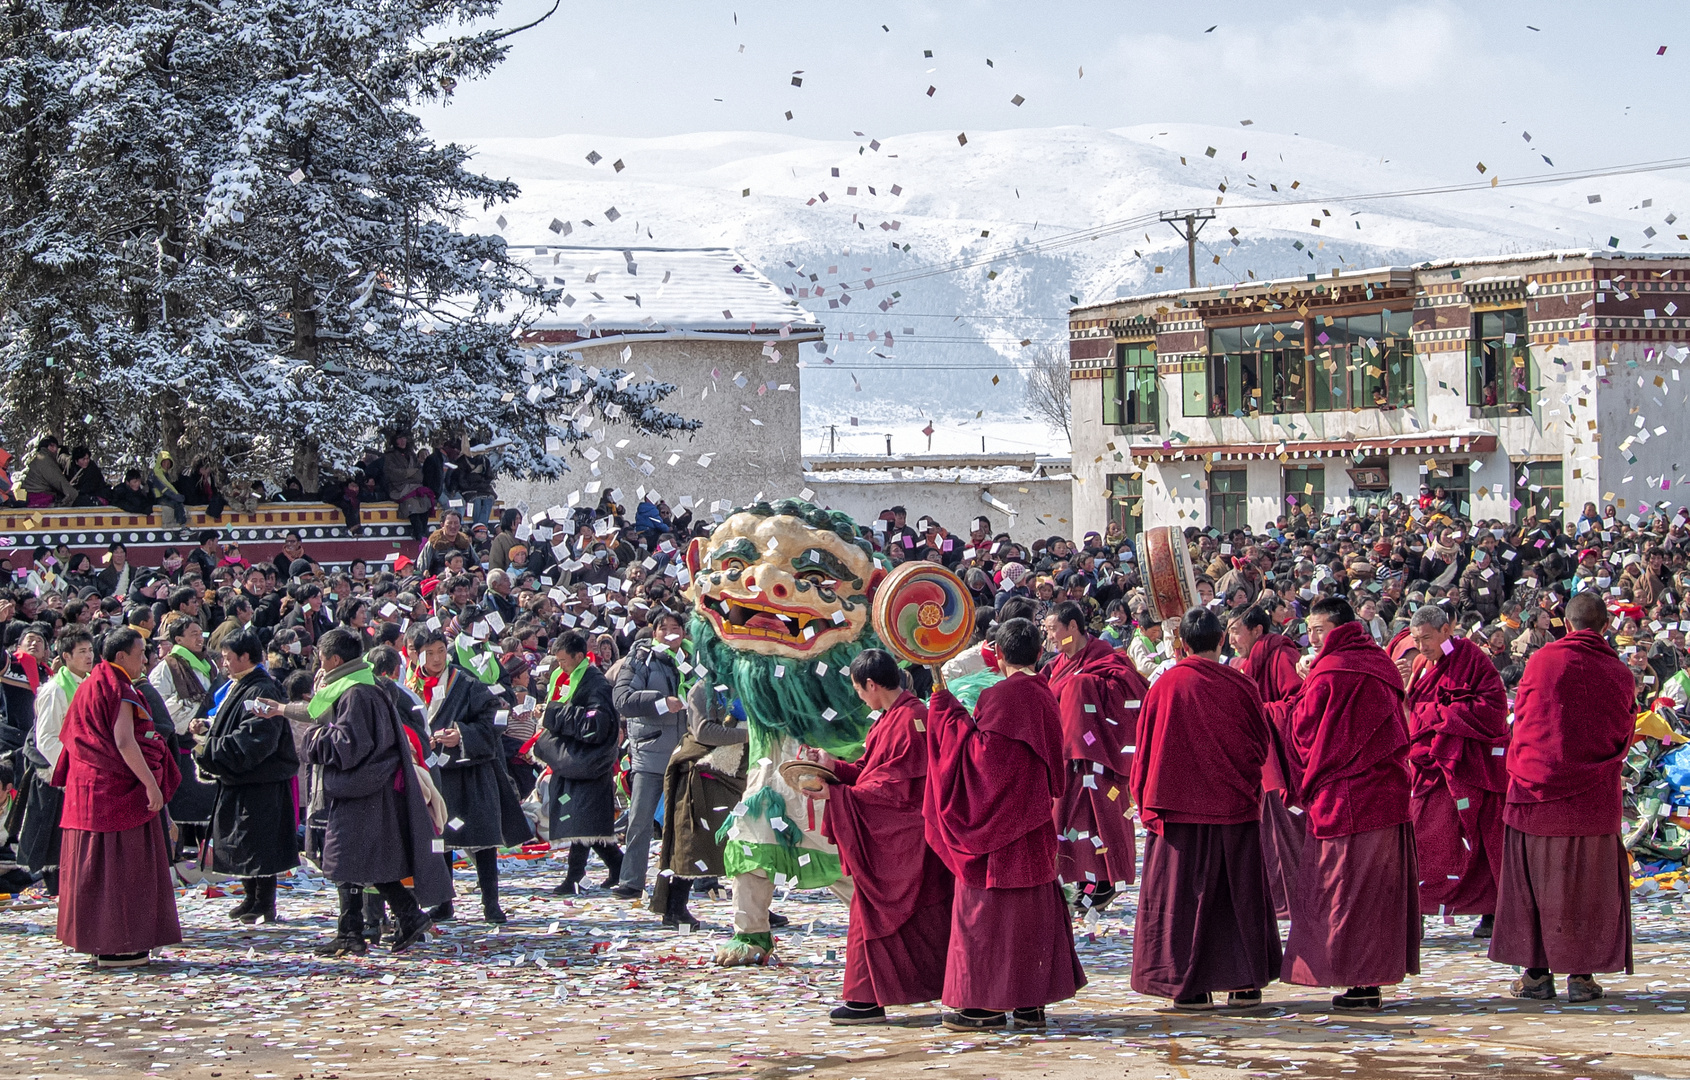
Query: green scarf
481, 661
67, 680
323, 700
201, 666
574, 682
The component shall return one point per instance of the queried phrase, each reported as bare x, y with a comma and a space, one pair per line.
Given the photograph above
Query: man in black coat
577, 741
254, 829
465, 742
362, 830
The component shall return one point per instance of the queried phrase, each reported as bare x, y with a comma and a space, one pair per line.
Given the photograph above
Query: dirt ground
588, 986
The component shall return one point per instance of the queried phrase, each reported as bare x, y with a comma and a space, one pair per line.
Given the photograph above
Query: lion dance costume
781, 598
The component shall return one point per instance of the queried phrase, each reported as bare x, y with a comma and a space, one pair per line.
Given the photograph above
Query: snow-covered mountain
814, 214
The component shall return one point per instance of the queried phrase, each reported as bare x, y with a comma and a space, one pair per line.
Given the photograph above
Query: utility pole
1188, 223
832, 437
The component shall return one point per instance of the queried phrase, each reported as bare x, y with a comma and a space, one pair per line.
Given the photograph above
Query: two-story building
1521, 384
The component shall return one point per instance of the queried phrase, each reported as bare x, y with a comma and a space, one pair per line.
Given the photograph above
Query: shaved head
1586, 611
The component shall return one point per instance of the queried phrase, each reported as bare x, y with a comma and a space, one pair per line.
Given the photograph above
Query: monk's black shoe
1486, 924
1359, 999
567, 888
857, 1012
777, 919
1196, 1003
1243, 999
975, 1020
1029, 1018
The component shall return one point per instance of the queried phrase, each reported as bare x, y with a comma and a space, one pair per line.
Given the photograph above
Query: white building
705, 320
1523, 384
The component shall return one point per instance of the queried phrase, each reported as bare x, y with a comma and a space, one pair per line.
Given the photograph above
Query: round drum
1165, 563
923, 613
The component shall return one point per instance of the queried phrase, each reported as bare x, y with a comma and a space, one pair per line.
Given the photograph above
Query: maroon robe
1205, 915
1564, 897
1098, 693
1458, 724
1355, 912
900, 924
992, 779
115, 894
1272, 664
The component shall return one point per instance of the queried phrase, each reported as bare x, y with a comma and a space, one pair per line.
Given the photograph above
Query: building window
1305, 489
1126, 503
1361, 362
1500, 372
1541, 495
1129, 388
1329, 364
1255, 369
1194, 386
1229, 500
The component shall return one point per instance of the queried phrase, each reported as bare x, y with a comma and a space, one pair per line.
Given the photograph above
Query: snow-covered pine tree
227, 235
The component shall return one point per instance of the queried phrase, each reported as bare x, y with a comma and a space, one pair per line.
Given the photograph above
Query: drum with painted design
923, 613
1165, 562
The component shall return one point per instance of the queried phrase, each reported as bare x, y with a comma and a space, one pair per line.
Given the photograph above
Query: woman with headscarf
115, 900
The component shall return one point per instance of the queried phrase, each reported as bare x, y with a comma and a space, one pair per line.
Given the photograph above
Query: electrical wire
1110, 228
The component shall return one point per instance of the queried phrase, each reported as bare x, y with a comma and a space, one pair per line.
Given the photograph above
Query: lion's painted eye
732, 562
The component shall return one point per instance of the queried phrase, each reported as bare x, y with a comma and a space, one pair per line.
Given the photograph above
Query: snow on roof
658, 289
1351, 276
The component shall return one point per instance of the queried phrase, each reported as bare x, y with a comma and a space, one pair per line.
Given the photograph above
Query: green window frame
1305, 485
1229, 499
1130, 388
1194, 386
1253, 370
1542, 492
1501, 372
1126, 503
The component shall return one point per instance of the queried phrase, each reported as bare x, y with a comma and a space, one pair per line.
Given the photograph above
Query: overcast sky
1439, 86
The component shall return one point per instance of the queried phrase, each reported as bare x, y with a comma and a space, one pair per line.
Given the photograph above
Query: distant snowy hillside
1006, 188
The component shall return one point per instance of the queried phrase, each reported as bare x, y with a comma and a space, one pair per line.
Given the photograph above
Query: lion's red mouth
763, 621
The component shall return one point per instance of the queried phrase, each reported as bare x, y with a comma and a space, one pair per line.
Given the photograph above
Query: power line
1109, 228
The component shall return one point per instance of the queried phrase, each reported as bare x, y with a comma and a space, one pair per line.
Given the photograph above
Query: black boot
419, 527
487, 877
249, 901
264, 909
612, 857
571, 883
410, 924
349, 933
375, 916
677, 914
50, 881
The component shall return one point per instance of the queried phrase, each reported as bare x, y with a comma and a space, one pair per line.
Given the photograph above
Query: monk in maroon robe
115, 895
992, 781
1458, 727
1564, 899
1270, 660
1205, 916
1098, 692
900, 925
1355, 909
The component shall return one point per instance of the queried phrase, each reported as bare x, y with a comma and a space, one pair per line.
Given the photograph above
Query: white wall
746, 458
1044, 507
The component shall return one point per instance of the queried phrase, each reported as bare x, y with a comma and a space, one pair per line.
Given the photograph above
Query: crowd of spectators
514, 593
419, 482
